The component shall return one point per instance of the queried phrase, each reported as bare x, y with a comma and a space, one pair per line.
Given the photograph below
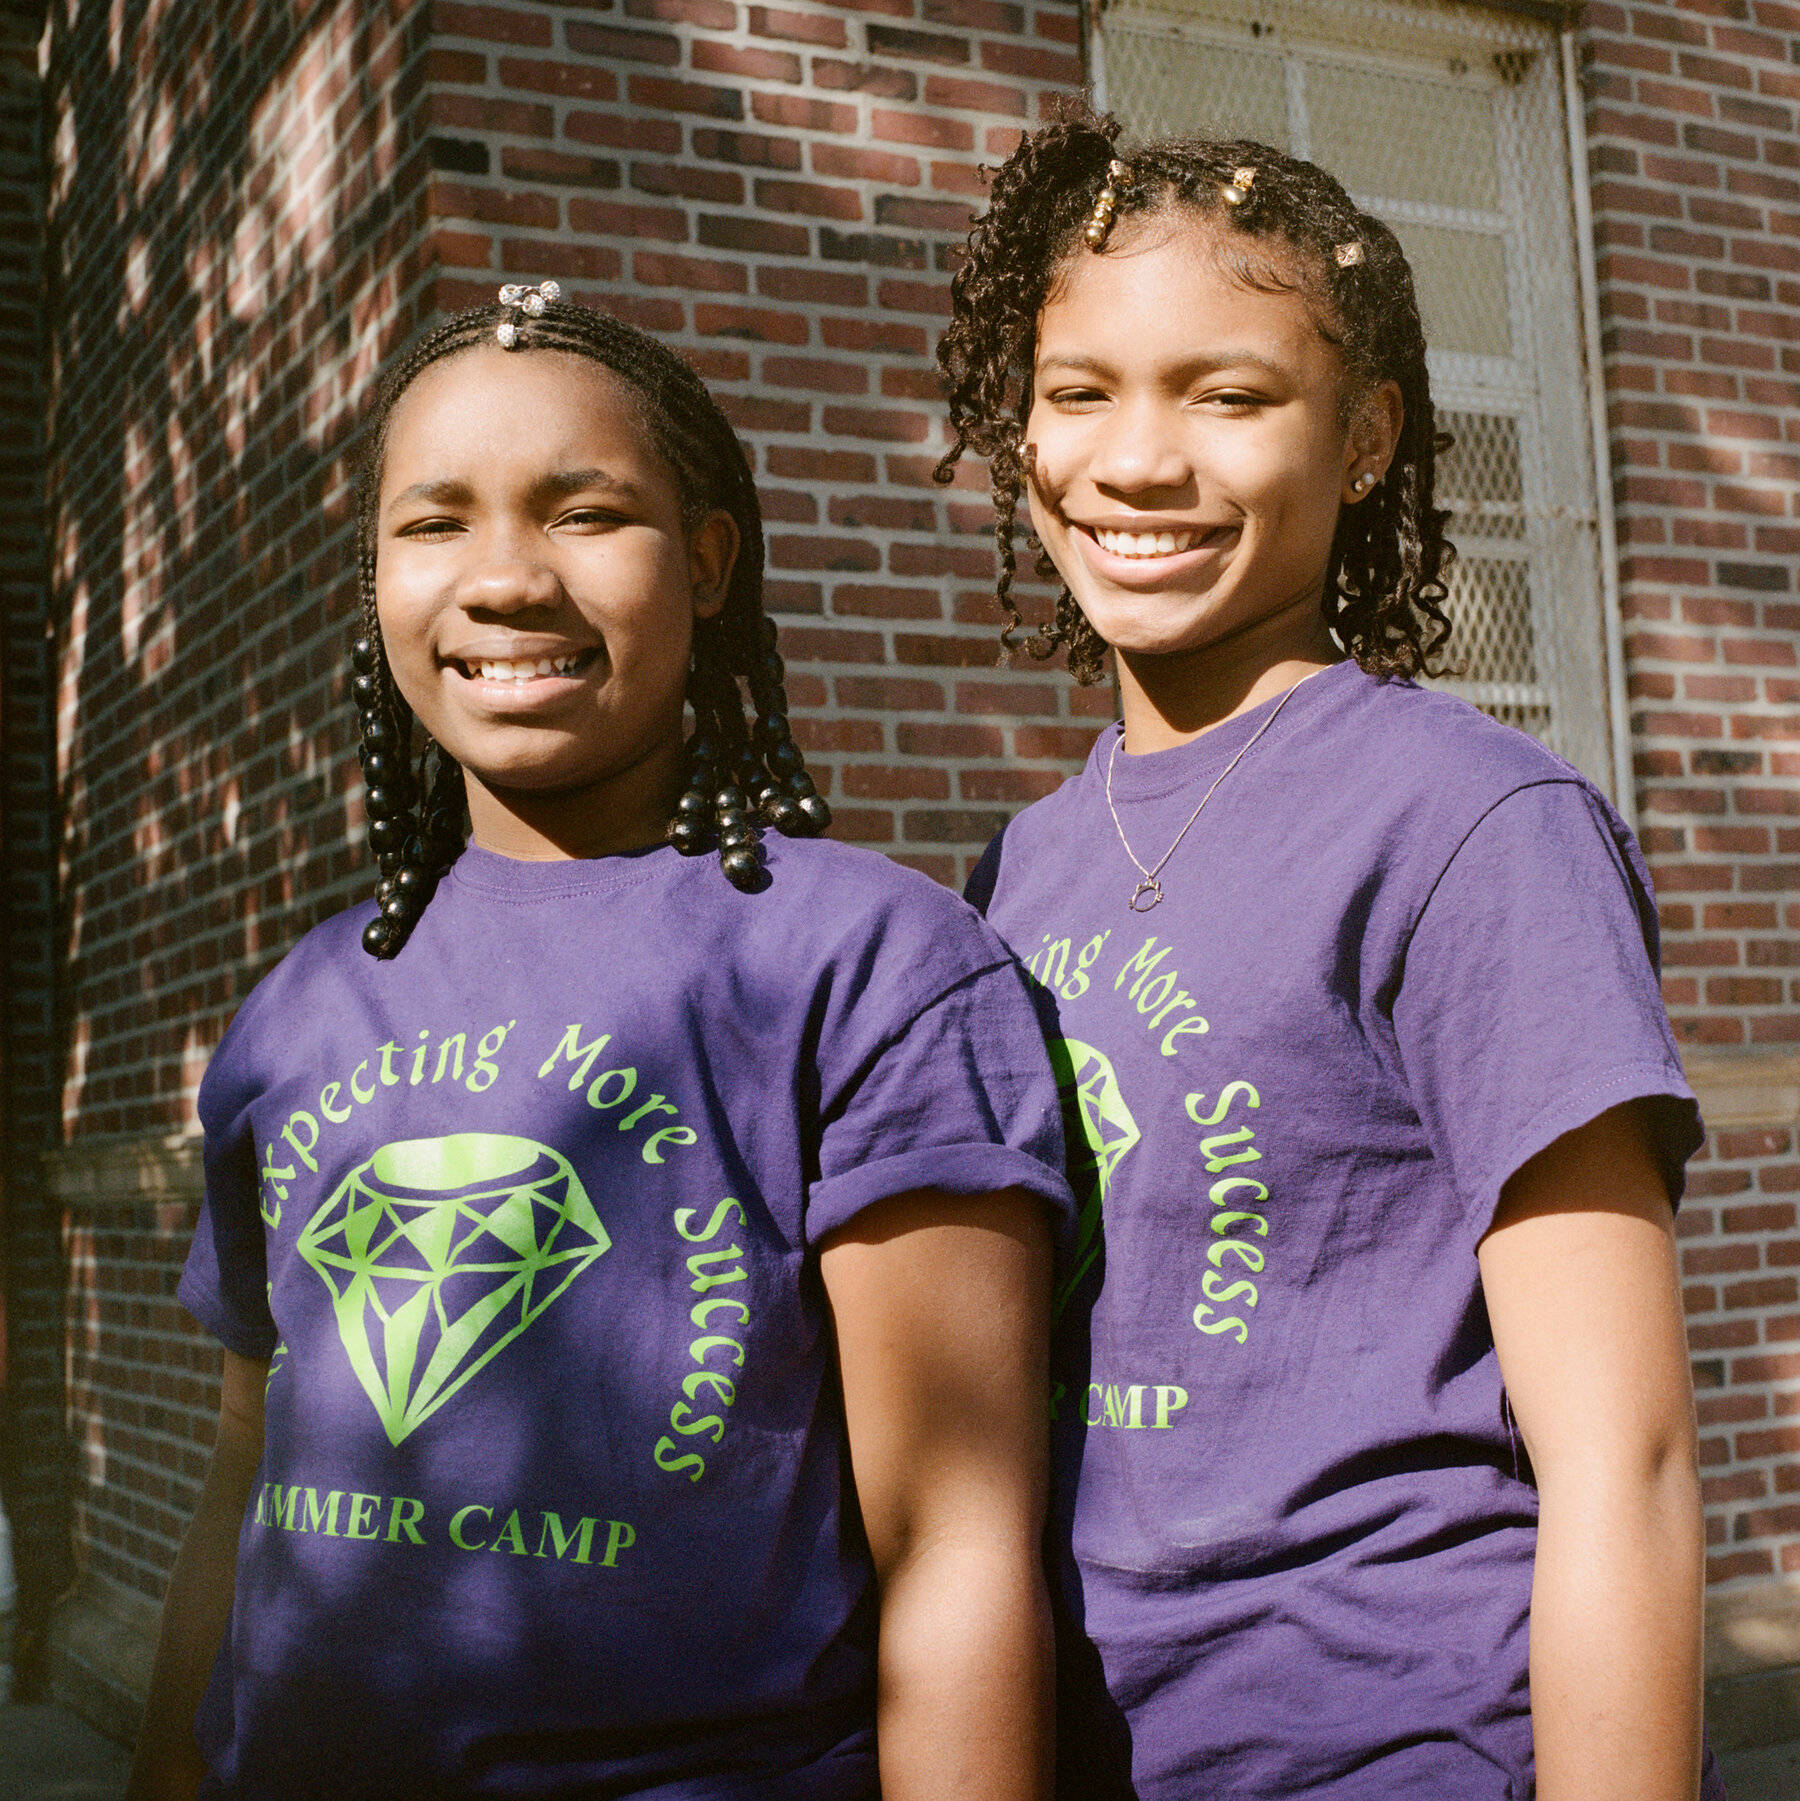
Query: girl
629, 1261
1353, 996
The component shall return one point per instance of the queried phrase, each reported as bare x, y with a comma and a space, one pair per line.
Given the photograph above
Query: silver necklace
1149, 891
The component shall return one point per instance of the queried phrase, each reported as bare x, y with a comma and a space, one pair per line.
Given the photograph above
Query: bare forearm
167, 1766
965, 1678
1616, 1638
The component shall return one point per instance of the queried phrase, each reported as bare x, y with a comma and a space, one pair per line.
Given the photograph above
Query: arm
1580, 1275
167, 1764
941, 1305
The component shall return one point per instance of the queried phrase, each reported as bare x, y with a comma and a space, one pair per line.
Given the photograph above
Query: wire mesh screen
1447, 122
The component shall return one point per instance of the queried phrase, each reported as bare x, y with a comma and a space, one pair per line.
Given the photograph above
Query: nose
508, 576
1139, 449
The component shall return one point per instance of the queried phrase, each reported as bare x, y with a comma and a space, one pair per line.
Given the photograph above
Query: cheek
1050, 459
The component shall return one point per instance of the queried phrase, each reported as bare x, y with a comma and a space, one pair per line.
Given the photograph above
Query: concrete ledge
1754, 1629
99, 1649
1746, 1088
138, 1171
1753, 1665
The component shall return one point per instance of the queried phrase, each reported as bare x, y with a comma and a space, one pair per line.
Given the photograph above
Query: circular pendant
1145, 895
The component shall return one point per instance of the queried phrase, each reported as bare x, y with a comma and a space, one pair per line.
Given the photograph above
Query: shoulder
1419, 739
1426, 769
852, 904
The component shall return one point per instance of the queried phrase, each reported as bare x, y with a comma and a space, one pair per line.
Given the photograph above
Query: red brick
804, 28
574, 80
748, 64
760, 323
855, 162
616, 45
624, 133
896, 782
921, 128
662, 94
798, 113
658, 269
492, 24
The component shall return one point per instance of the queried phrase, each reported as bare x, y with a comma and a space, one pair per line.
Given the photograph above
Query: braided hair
739, 776
1288, 228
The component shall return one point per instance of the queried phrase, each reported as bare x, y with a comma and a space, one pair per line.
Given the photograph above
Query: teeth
1147, 544
502, 669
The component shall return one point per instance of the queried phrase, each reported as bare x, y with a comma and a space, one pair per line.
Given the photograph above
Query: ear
712, 555
1372, 439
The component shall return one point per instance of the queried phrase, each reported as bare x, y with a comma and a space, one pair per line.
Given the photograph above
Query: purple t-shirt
1403, 948
555, 1498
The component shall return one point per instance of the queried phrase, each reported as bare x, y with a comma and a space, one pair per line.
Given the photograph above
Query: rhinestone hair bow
527, 301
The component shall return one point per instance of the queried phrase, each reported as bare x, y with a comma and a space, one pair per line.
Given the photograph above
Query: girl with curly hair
1375, 1448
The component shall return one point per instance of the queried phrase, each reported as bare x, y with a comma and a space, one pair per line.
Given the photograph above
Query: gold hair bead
1100, 219
1349, 255
1238, 191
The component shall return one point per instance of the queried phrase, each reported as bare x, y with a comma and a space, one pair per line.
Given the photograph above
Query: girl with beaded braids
633, 1275
736, 778
1377, 1124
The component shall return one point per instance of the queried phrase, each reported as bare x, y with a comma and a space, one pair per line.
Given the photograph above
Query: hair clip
529, 301
1238, 191
1100, 219
1347, 256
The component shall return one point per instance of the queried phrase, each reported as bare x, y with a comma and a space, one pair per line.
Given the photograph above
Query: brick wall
232, 232
248, 207
1695, 157
246, 211
31, 1473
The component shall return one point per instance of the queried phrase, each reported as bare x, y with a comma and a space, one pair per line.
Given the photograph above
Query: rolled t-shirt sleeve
1528, 1003
225, 1282
960, 1098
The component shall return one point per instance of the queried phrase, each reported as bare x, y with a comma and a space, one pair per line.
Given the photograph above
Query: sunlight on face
1188, 447
537, 587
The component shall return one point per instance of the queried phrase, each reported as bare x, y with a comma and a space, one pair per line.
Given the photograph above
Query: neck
623, 811
1172, 699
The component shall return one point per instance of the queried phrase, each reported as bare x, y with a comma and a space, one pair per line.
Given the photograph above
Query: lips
1146, 544
1132, 557
515, 669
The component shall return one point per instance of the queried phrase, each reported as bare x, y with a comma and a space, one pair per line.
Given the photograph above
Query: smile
1146, 544
524, 669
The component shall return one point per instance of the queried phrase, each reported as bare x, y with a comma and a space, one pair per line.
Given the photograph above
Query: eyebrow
1229, 358
448, 491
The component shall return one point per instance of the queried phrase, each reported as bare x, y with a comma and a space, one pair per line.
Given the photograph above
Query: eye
590, 518
428, 528
1233, 400
1076, 400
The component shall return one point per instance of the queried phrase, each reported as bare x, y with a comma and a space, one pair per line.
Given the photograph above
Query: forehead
1171, 284
486, 404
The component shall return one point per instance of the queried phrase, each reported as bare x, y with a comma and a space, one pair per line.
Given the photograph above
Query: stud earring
1363, 482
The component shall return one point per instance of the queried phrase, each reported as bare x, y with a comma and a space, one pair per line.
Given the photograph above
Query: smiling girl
1374, 1448
630, 1261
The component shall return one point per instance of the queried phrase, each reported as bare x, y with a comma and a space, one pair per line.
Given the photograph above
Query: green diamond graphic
1100, 1130
439, 1252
